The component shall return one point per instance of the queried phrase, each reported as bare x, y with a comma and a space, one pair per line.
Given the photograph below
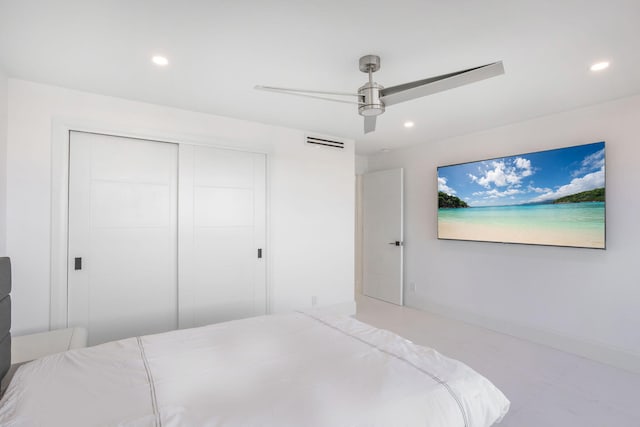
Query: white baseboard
595, 351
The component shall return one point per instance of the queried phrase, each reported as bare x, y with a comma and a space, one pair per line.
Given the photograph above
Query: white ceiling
220, 49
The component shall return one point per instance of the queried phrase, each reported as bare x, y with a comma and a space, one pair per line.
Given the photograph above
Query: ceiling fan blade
312, 93
408, 91
369, 124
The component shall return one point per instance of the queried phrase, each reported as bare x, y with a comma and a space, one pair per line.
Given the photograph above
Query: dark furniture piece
5, 316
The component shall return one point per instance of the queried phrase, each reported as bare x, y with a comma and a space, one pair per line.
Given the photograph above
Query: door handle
396, 243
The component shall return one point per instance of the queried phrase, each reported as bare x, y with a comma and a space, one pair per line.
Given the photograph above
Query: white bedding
301, 369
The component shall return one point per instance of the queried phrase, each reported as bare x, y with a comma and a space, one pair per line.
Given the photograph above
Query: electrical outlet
314, 301
412, 286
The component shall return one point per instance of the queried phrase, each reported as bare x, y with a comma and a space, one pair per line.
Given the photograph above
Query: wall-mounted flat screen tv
554, 197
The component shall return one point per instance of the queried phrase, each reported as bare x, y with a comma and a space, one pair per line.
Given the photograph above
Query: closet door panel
222, 219
224, 284
223, 207
123, 229
219, 168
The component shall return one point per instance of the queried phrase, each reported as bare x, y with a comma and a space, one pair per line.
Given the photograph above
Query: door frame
61, 129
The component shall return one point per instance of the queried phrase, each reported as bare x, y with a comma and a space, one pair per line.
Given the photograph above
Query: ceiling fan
372, 98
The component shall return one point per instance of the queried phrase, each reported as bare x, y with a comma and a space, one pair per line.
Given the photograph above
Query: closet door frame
61, 130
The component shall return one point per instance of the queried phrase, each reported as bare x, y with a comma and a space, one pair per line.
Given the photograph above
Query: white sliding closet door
122, 277
222, 235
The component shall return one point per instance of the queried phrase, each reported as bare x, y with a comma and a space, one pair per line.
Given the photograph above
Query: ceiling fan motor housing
371, 103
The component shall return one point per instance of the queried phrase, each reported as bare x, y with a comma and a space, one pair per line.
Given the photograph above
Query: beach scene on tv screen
554, 197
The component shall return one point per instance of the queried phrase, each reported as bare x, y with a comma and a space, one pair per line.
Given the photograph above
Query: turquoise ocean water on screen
563, 216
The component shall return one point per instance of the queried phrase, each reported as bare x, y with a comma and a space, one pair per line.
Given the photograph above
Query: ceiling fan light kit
372, 98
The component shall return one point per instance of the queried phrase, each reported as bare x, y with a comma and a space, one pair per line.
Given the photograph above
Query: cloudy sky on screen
526, 178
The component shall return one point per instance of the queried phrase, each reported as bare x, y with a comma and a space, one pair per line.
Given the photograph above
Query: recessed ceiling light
599, 66
384, 150
160, 60
409, 124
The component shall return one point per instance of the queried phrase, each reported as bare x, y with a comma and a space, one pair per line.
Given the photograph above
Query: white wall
580, 300
311, 224
362, 164
3, 160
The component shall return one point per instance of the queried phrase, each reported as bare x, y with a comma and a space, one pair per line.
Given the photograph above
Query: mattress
300, 369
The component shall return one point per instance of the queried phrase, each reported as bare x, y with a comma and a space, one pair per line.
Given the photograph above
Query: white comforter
301, 369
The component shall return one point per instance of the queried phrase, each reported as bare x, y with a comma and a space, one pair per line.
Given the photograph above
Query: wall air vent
326, 142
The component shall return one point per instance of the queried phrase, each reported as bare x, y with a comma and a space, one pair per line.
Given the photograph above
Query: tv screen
554, 197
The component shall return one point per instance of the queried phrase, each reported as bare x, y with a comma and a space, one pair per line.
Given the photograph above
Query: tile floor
546, 387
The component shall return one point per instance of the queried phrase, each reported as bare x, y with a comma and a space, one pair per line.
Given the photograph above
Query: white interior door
122, 278
222, 235
382, 235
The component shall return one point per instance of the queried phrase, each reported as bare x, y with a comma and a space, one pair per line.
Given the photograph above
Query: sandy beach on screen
504, 234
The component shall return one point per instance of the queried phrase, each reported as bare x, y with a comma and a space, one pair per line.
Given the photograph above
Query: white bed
300, 369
